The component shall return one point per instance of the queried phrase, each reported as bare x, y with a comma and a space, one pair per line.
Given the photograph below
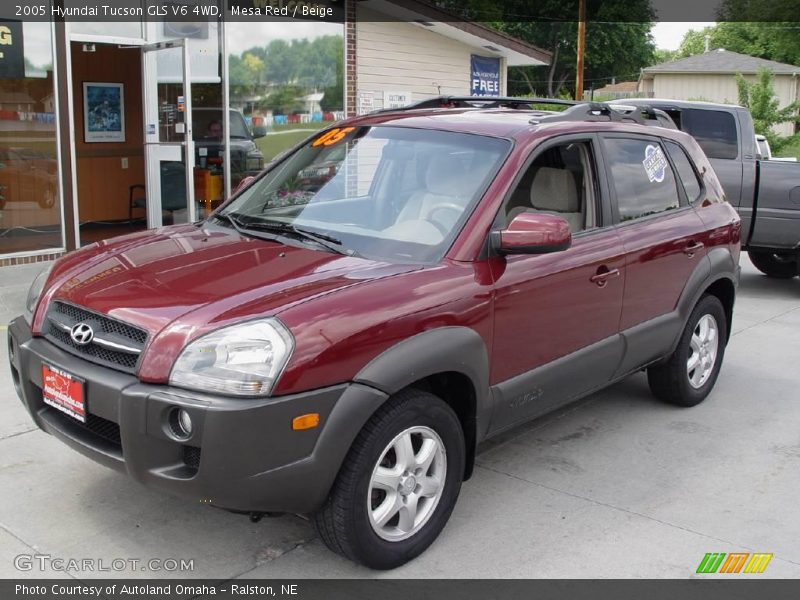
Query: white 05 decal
655, 163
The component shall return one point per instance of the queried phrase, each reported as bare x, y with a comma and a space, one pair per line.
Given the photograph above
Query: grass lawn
283, 137
792, 149
292, 126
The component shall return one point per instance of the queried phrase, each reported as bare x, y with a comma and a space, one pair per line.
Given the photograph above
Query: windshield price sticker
332, 137
655, 163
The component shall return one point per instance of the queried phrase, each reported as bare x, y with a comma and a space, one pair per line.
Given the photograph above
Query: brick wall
351, 78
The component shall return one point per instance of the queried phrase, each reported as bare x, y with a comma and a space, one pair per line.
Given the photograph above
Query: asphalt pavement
617, 485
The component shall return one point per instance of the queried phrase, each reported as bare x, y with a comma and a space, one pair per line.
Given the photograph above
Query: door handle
601, 277
693, 248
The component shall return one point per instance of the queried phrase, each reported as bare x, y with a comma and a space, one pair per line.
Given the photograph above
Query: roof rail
576, 111
601, 111
484, 102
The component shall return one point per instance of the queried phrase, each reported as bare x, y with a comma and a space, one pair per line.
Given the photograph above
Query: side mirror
534, 233
259, 131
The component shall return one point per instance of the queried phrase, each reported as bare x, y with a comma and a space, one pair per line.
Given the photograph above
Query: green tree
284, 100
777, 41
664, 56
760, 98
334, 94
694, 41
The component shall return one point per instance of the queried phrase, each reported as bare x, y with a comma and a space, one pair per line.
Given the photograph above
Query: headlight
240, 360
34, 292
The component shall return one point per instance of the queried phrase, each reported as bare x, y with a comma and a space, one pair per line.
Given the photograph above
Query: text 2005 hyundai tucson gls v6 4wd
337, 338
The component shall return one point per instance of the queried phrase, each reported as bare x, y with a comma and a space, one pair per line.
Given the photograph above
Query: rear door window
714, 130
642, 178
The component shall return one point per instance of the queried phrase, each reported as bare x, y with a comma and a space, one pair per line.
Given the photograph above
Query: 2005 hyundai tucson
339, 336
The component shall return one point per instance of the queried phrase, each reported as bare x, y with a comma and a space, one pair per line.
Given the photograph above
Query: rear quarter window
686, 172
714, 130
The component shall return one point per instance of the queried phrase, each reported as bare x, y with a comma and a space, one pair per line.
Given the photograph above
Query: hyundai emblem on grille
82, 334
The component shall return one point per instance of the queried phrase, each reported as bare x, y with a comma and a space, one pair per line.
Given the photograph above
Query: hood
215, 275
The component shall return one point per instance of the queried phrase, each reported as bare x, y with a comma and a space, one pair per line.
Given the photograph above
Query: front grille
191, 456
98, 426
67, 315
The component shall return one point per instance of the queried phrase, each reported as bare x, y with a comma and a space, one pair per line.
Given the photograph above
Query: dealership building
110, 127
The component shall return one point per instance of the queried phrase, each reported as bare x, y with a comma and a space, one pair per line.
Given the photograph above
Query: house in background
407, 51
711, 76
614, 91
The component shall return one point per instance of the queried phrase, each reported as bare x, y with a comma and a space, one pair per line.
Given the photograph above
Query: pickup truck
765, 152
766, 193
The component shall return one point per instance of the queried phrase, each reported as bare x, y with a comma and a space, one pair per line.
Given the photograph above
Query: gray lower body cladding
242, 454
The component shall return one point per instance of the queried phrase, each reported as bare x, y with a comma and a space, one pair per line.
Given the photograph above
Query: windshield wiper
230, 219
240, 229
326, 241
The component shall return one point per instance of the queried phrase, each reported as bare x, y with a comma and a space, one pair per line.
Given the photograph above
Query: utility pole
581, 50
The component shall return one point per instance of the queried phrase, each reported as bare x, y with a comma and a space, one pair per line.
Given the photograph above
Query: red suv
339, 344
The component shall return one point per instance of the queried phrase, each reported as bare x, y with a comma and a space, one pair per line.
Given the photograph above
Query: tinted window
642, 178
686, 172
714, 130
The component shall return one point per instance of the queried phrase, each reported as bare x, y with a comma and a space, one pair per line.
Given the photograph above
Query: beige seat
445, 183
553, 191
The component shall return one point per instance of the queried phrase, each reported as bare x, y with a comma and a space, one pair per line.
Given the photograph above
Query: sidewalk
14, 284
617, 485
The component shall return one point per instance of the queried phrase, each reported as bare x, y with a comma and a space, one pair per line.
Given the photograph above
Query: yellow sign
332, 137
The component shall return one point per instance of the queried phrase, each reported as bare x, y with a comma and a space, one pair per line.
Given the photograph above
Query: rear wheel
689, 375
398, 485
780, 265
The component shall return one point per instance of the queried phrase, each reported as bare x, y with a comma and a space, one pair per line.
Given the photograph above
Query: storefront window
286, 80
30, 210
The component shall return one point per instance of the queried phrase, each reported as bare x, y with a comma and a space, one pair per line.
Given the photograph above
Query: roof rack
576, 111
484, 102
605, 112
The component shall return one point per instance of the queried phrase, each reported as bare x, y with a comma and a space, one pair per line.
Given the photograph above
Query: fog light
181, 424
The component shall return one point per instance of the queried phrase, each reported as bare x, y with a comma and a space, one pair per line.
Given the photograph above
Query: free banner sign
655, 163
484, 76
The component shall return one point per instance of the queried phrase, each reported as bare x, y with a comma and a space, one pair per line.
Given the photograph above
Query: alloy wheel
703, 348
407, 483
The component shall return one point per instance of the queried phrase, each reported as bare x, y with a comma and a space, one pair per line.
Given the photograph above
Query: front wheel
780, 265
398, 485
689, 374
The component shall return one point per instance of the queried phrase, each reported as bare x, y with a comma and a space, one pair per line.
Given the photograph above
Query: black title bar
422, 11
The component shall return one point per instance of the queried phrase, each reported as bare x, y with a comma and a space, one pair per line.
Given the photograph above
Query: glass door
169, 148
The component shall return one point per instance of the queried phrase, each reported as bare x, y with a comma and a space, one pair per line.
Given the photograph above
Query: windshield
387, 193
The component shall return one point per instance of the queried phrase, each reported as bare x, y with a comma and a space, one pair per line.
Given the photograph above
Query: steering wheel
436, 208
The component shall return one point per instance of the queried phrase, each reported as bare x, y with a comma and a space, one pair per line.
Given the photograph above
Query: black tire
774, 264
343, 523
670, 381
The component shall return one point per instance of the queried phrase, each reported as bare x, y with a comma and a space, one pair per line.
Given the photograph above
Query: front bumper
242, 454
